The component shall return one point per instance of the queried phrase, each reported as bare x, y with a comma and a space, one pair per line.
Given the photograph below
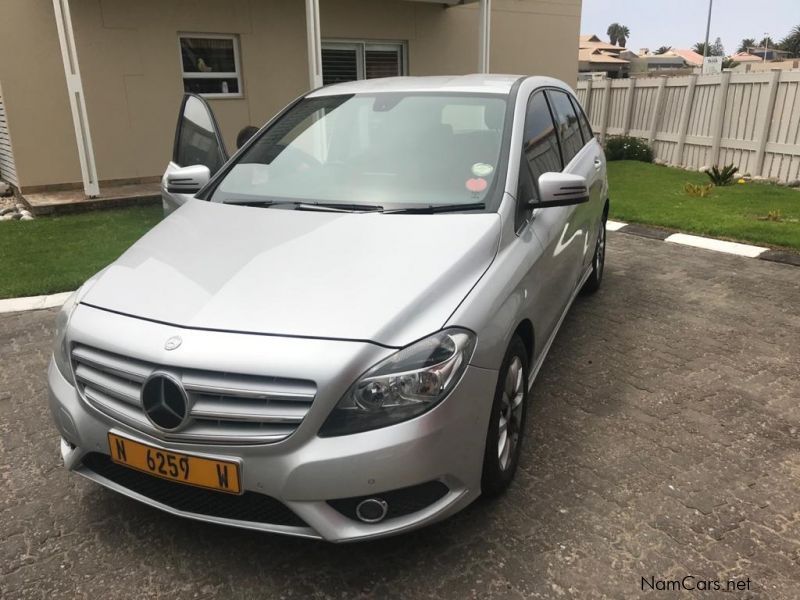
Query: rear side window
569, 131
540, 146
586, 128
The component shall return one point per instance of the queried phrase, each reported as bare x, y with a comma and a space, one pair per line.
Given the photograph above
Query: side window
539, 152
569, 131
540, 143
586, 128
197, 141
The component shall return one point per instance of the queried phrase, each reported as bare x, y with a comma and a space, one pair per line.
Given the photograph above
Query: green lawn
56, 254
654, 195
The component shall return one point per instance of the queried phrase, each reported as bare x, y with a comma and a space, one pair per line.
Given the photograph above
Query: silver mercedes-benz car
334, 332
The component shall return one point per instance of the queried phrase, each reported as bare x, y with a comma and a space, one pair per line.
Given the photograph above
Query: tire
598, 261
509, 407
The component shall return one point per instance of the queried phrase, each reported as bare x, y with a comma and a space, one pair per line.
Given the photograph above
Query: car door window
540, 144
567, 124
586, 128
197, 141
540, 153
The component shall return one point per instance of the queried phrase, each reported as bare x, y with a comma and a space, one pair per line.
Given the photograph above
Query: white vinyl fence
749, 119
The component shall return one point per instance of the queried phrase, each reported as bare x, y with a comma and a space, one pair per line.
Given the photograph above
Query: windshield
383, 150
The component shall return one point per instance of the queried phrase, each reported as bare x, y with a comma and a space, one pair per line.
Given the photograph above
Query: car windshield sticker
476, 185
482, 170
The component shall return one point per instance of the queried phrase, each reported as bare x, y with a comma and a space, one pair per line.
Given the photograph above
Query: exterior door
555, 275
197, 142
583, 157
596, 180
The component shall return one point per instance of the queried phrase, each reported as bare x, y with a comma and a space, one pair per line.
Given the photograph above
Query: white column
485, 33
80, 119
314, 44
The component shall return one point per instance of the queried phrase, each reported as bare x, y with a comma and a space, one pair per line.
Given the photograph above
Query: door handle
598, 163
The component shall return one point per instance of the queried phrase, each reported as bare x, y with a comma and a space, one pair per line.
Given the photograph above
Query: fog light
372, 510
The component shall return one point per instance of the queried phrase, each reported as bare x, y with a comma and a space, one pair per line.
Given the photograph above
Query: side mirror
561, 189
188, 180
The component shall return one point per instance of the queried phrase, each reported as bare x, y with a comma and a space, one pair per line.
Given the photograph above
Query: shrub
698, 191
722, 176
625, 147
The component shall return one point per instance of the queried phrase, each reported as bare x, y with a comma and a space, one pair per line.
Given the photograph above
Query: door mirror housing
561, 189
188, 180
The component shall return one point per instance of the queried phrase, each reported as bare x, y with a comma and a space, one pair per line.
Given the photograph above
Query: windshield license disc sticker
476, 185
482, 170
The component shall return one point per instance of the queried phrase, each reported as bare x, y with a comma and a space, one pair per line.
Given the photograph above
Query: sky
682, 23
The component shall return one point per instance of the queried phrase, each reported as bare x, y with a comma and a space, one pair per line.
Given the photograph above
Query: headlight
60, 346
403, 386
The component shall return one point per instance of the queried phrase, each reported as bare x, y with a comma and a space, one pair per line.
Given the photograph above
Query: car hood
385, 278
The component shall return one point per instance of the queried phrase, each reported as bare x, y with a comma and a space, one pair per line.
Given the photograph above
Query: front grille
400, 502
250, 506
224, 408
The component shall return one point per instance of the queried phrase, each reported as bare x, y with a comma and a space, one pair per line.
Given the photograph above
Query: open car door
199, 153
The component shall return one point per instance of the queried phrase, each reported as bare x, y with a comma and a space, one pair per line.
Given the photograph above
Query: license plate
219, 475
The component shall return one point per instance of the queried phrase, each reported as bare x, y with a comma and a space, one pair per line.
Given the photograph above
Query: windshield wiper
430, 209
303, 205
339, 206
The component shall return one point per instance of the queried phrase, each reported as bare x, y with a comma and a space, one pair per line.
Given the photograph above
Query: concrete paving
662, 447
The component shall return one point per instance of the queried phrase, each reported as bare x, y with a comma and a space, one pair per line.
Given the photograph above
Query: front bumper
304, 472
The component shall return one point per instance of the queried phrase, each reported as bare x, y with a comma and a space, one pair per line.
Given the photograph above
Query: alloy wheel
510, 413
600, 252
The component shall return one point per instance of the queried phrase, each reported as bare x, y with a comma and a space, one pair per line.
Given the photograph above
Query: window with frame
569, 130
586, 127
540, 144
210, 64
540, 153
353, 60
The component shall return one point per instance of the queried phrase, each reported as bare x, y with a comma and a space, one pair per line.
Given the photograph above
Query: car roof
475, 83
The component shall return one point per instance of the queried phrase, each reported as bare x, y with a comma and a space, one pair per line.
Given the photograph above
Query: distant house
768, 54
745, 57
598, 57
692, 58
646, 62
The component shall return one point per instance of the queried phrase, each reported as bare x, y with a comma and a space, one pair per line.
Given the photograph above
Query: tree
663, 50
791, 43
624, 34
767, 42
746, 43
715, 49
618, 34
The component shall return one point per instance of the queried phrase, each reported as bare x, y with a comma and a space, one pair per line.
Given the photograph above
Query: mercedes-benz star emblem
173, 342
164, 401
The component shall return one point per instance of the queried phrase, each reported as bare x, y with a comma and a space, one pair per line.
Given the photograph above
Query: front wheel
507, 422
598, 261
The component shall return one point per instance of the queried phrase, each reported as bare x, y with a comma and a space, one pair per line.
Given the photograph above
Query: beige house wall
129, 59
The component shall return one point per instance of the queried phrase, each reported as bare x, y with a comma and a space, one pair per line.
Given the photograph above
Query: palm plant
613, 32
618, 34
663, 50
746, 43
624, 34
791, 43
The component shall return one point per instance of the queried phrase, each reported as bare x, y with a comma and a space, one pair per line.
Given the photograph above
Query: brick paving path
663, 443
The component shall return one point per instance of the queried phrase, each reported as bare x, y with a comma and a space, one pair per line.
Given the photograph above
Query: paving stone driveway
663, 443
